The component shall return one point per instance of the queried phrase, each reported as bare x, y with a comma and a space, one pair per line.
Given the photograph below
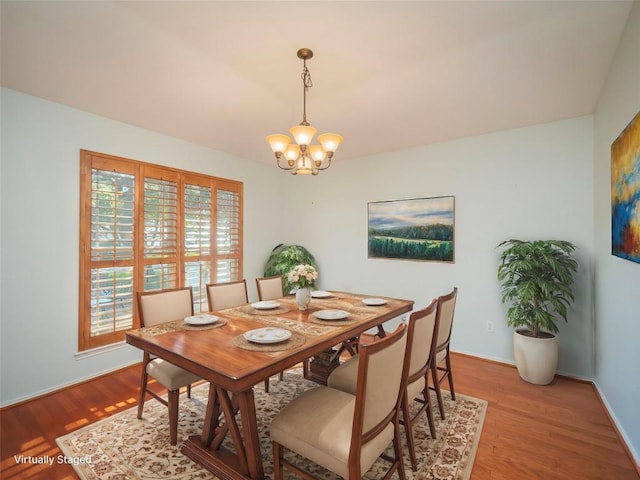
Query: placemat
219, 323
295, 341
176, 325
261, 311
332, 323
303, 328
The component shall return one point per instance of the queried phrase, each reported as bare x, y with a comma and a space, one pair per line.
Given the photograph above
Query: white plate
267, 335
374, 301
265, 305
331, 314
321, 294
203, 319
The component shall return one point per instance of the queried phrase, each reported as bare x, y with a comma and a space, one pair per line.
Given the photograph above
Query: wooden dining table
221, 354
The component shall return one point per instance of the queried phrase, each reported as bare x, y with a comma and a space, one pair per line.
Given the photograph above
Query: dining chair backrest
342, 432
446, 307
381, 376
269, 288
164, 305
227, 295
421, 340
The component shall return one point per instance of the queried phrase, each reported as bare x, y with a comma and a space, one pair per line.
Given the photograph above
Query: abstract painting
625, 193
415, 229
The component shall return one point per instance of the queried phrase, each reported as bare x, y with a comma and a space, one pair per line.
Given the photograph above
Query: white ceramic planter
536, 358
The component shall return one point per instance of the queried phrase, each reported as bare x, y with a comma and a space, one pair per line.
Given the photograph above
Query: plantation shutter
198, 214
228, 233
160, 234
107, 240
146, 227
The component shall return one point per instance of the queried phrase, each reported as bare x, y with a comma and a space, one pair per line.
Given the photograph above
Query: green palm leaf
536, 279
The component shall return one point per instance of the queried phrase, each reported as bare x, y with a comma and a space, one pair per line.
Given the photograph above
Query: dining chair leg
143, 391
266, 386
172, 403
450, 375
277, 461
408, 430
281, 375
188, 391
436, 387
427, 401
398, 451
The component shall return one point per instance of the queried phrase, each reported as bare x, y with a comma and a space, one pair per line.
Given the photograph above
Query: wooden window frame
141, 171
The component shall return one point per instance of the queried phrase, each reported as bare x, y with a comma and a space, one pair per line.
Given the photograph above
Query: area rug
123, 447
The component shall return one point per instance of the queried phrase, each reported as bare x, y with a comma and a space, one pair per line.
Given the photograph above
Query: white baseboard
57, 388
621, 431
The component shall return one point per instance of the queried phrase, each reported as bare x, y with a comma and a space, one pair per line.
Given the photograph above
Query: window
146, 227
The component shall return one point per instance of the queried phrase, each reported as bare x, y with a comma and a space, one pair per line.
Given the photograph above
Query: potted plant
536, 278
283, 259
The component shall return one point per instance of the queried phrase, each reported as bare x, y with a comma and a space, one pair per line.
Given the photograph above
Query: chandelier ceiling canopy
301, 156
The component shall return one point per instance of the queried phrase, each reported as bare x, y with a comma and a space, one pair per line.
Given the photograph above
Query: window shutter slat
112, 202
228, 221
160, 218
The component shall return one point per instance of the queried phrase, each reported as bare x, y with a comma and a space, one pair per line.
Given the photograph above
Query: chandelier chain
306, 83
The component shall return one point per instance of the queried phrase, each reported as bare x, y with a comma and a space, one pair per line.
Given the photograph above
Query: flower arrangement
282, 260
303, 276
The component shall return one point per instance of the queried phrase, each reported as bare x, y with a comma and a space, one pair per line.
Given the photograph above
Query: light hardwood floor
560, 431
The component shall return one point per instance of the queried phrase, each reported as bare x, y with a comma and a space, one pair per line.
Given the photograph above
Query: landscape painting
625, 193
415, 229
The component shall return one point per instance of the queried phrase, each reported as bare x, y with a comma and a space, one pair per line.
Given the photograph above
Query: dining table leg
207, 449
211, 417
247, 406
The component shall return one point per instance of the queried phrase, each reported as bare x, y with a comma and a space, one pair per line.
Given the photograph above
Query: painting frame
625, 193
415, 229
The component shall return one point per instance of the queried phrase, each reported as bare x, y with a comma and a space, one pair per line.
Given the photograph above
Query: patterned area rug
123, 447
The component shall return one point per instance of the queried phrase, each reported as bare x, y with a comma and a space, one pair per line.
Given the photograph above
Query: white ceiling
387, 74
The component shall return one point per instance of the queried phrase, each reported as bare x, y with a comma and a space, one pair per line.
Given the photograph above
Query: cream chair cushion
269, 288
170, 376
446, 320
415, 388
324, 436
344, 377
227, 295
165, 306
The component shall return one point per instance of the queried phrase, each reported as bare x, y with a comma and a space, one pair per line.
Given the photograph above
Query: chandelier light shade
302, 157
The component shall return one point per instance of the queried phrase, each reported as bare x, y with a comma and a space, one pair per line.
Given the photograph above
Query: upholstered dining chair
342, 432
420, 343
440, 371
269, 288
228, 295
155, 308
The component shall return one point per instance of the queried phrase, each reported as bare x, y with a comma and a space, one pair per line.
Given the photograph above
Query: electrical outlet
490, 326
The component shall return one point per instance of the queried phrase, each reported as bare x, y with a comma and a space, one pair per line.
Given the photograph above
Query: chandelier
302, 157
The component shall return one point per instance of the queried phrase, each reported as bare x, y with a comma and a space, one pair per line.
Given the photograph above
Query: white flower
303, 276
